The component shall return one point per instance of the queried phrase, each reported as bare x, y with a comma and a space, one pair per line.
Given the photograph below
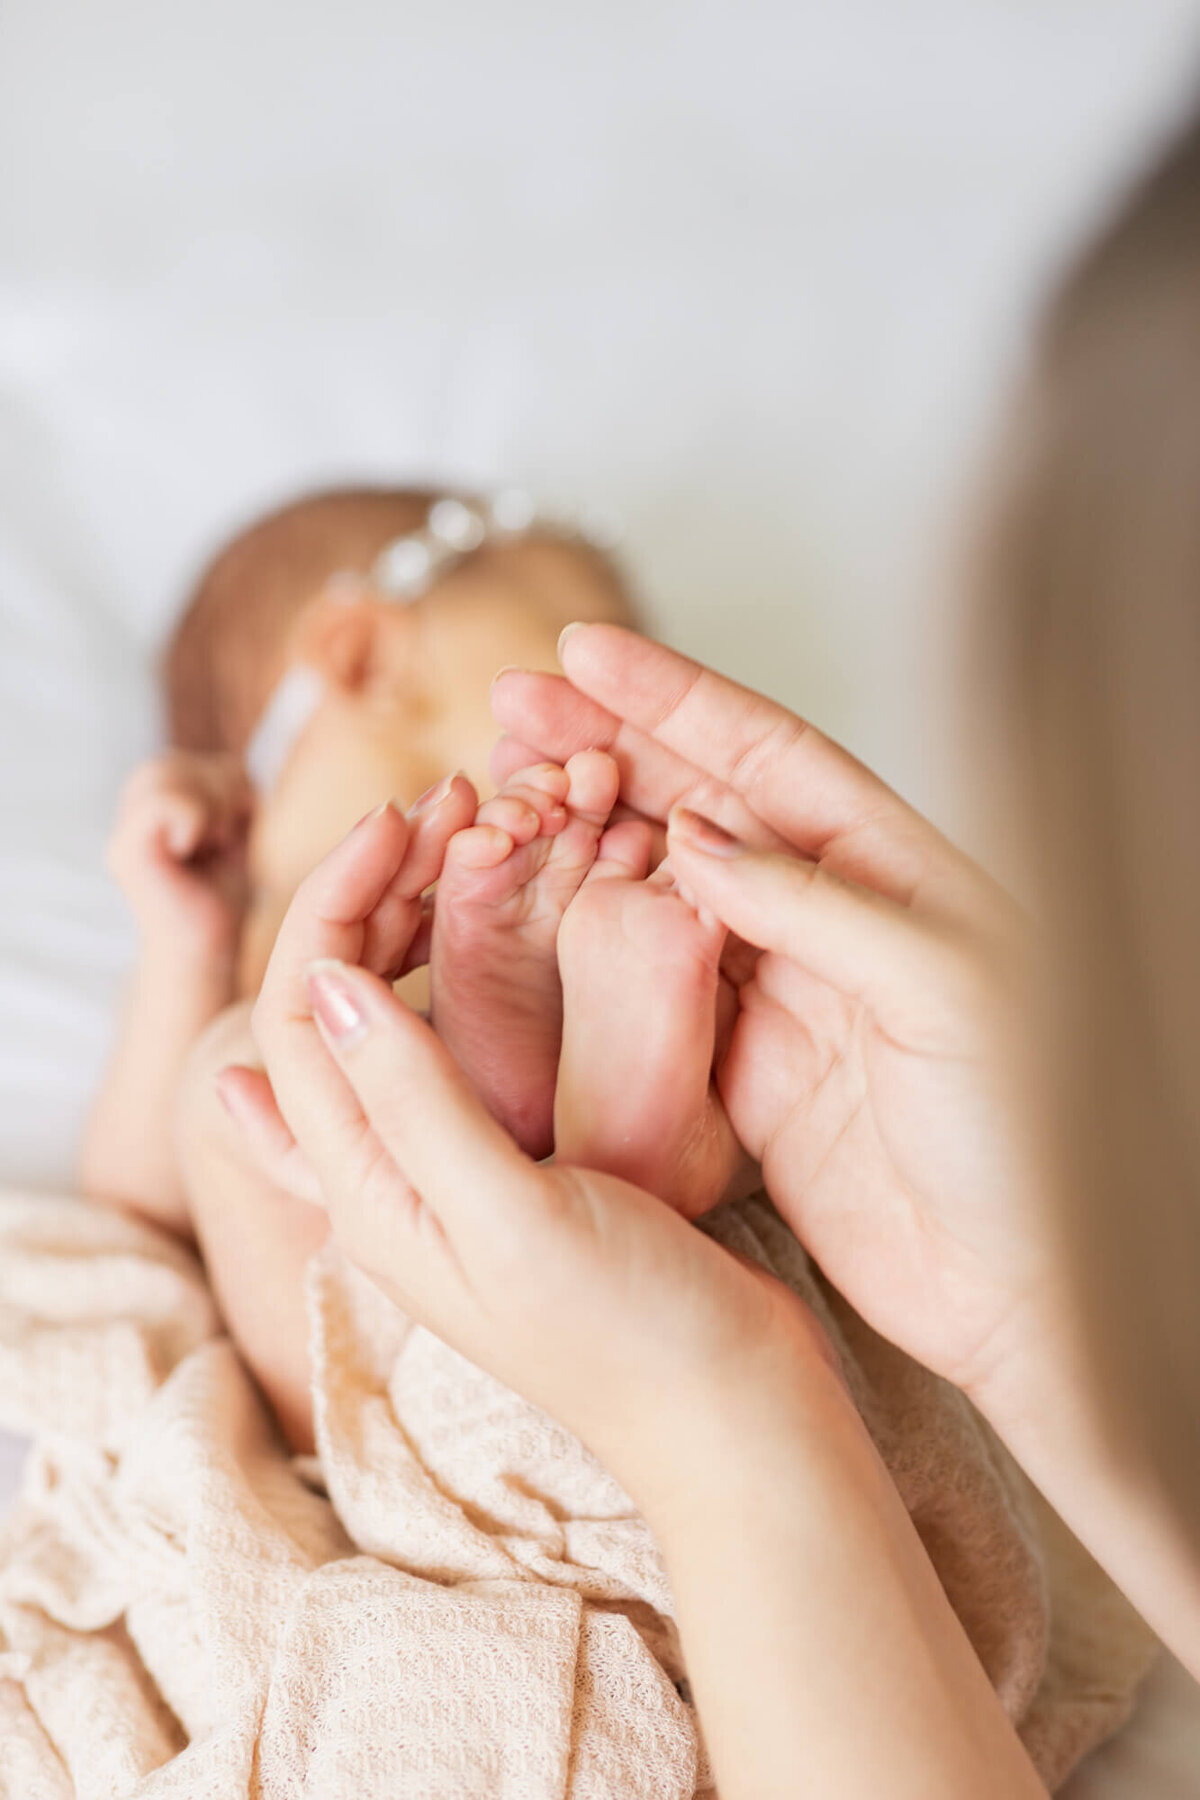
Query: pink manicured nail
698, 833
334, 1003
564, 634
376, 812
433, 796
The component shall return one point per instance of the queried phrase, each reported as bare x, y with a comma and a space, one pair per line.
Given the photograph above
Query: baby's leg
505, 885
641, 987
255, 1239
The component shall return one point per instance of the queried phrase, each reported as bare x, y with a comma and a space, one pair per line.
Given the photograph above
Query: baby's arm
255, 1238
177, 851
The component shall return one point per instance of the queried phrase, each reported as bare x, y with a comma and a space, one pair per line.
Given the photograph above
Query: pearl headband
403, 571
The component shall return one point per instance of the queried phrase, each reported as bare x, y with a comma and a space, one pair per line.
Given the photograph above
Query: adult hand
588, 1296
863, 1071
703, 1384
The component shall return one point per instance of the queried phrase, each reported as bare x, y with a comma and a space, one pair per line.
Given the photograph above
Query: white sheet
750, 275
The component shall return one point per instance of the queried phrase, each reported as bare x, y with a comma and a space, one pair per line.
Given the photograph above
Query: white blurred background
755, 276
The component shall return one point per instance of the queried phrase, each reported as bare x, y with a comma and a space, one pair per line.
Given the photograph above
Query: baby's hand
178, 851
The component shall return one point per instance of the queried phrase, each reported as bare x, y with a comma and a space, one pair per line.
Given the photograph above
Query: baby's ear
342, 637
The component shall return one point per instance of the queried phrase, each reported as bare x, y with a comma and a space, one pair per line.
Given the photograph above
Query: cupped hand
585, 1294
865, 1070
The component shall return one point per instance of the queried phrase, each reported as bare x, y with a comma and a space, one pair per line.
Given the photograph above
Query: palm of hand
862, 1069
884, 1143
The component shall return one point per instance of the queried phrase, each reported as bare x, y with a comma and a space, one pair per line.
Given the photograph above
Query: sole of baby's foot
505, 885
640, 969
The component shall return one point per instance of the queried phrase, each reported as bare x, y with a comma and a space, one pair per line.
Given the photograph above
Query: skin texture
864, 1068
745, 1414
871, 1067
256, 1236
504, 888
208, 868
641, 972
177, 850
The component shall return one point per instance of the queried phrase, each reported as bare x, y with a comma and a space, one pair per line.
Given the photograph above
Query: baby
338, 655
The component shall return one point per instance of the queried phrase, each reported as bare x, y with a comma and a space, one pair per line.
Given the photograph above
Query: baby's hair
230, 645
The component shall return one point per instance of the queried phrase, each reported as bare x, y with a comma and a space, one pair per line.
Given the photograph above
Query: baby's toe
594, 781
478, 847
623, 853
484, 862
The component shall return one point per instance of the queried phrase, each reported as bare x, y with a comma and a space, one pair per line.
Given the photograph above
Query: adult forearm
1040, 1403
821, 1648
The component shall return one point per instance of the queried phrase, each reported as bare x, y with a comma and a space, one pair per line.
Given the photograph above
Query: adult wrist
1032, 1367
778, 1410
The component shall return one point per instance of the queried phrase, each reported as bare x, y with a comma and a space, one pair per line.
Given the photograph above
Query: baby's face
420, 711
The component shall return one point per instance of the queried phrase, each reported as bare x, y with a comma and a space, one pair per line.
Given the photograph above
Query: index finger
362, 903
548, 716
685, 736
325, 919
792, 776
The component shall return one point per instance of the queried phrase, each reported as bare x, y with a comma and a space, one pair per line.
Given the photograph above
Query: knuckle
767, 751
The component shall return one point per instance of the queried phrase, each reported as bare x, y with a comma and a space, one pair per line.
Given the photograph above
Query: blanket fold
453, 1599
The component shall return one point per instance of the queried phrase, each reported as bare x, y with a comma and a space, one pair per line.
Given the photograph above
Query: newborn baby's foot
640, 973
504, 887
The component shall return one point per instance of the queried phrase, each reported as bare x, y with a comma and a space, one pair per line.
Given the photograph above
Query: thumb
249, 1099
416, 1101
863, 944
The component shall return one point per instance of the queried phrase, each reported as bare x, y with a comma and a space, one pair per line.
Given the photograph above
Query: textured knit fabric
453, 1599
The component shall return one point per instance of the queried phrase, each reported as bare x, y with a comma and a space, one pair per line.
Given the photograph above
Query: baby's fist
178, 850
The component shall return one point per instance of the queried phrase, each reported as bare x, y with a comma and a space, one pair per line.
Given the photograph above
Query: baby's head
396, 688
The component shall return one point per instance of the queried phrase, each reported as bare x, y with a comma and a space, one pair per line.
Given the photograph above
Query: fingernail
376, 812
564, 634
508, 669
434, 795
698, 833
334, 1004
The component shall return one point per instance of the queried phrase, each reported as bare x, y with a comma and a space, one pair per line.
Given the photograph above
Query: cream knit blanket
454, 1601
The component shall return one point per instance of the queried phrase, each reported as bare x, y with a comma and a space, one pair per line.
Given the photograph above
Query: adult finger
361, 903
249, 1099
547, 711
509, 755
395, 917
420, 1107
865, 945
417, 956
325, 919
815, 794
